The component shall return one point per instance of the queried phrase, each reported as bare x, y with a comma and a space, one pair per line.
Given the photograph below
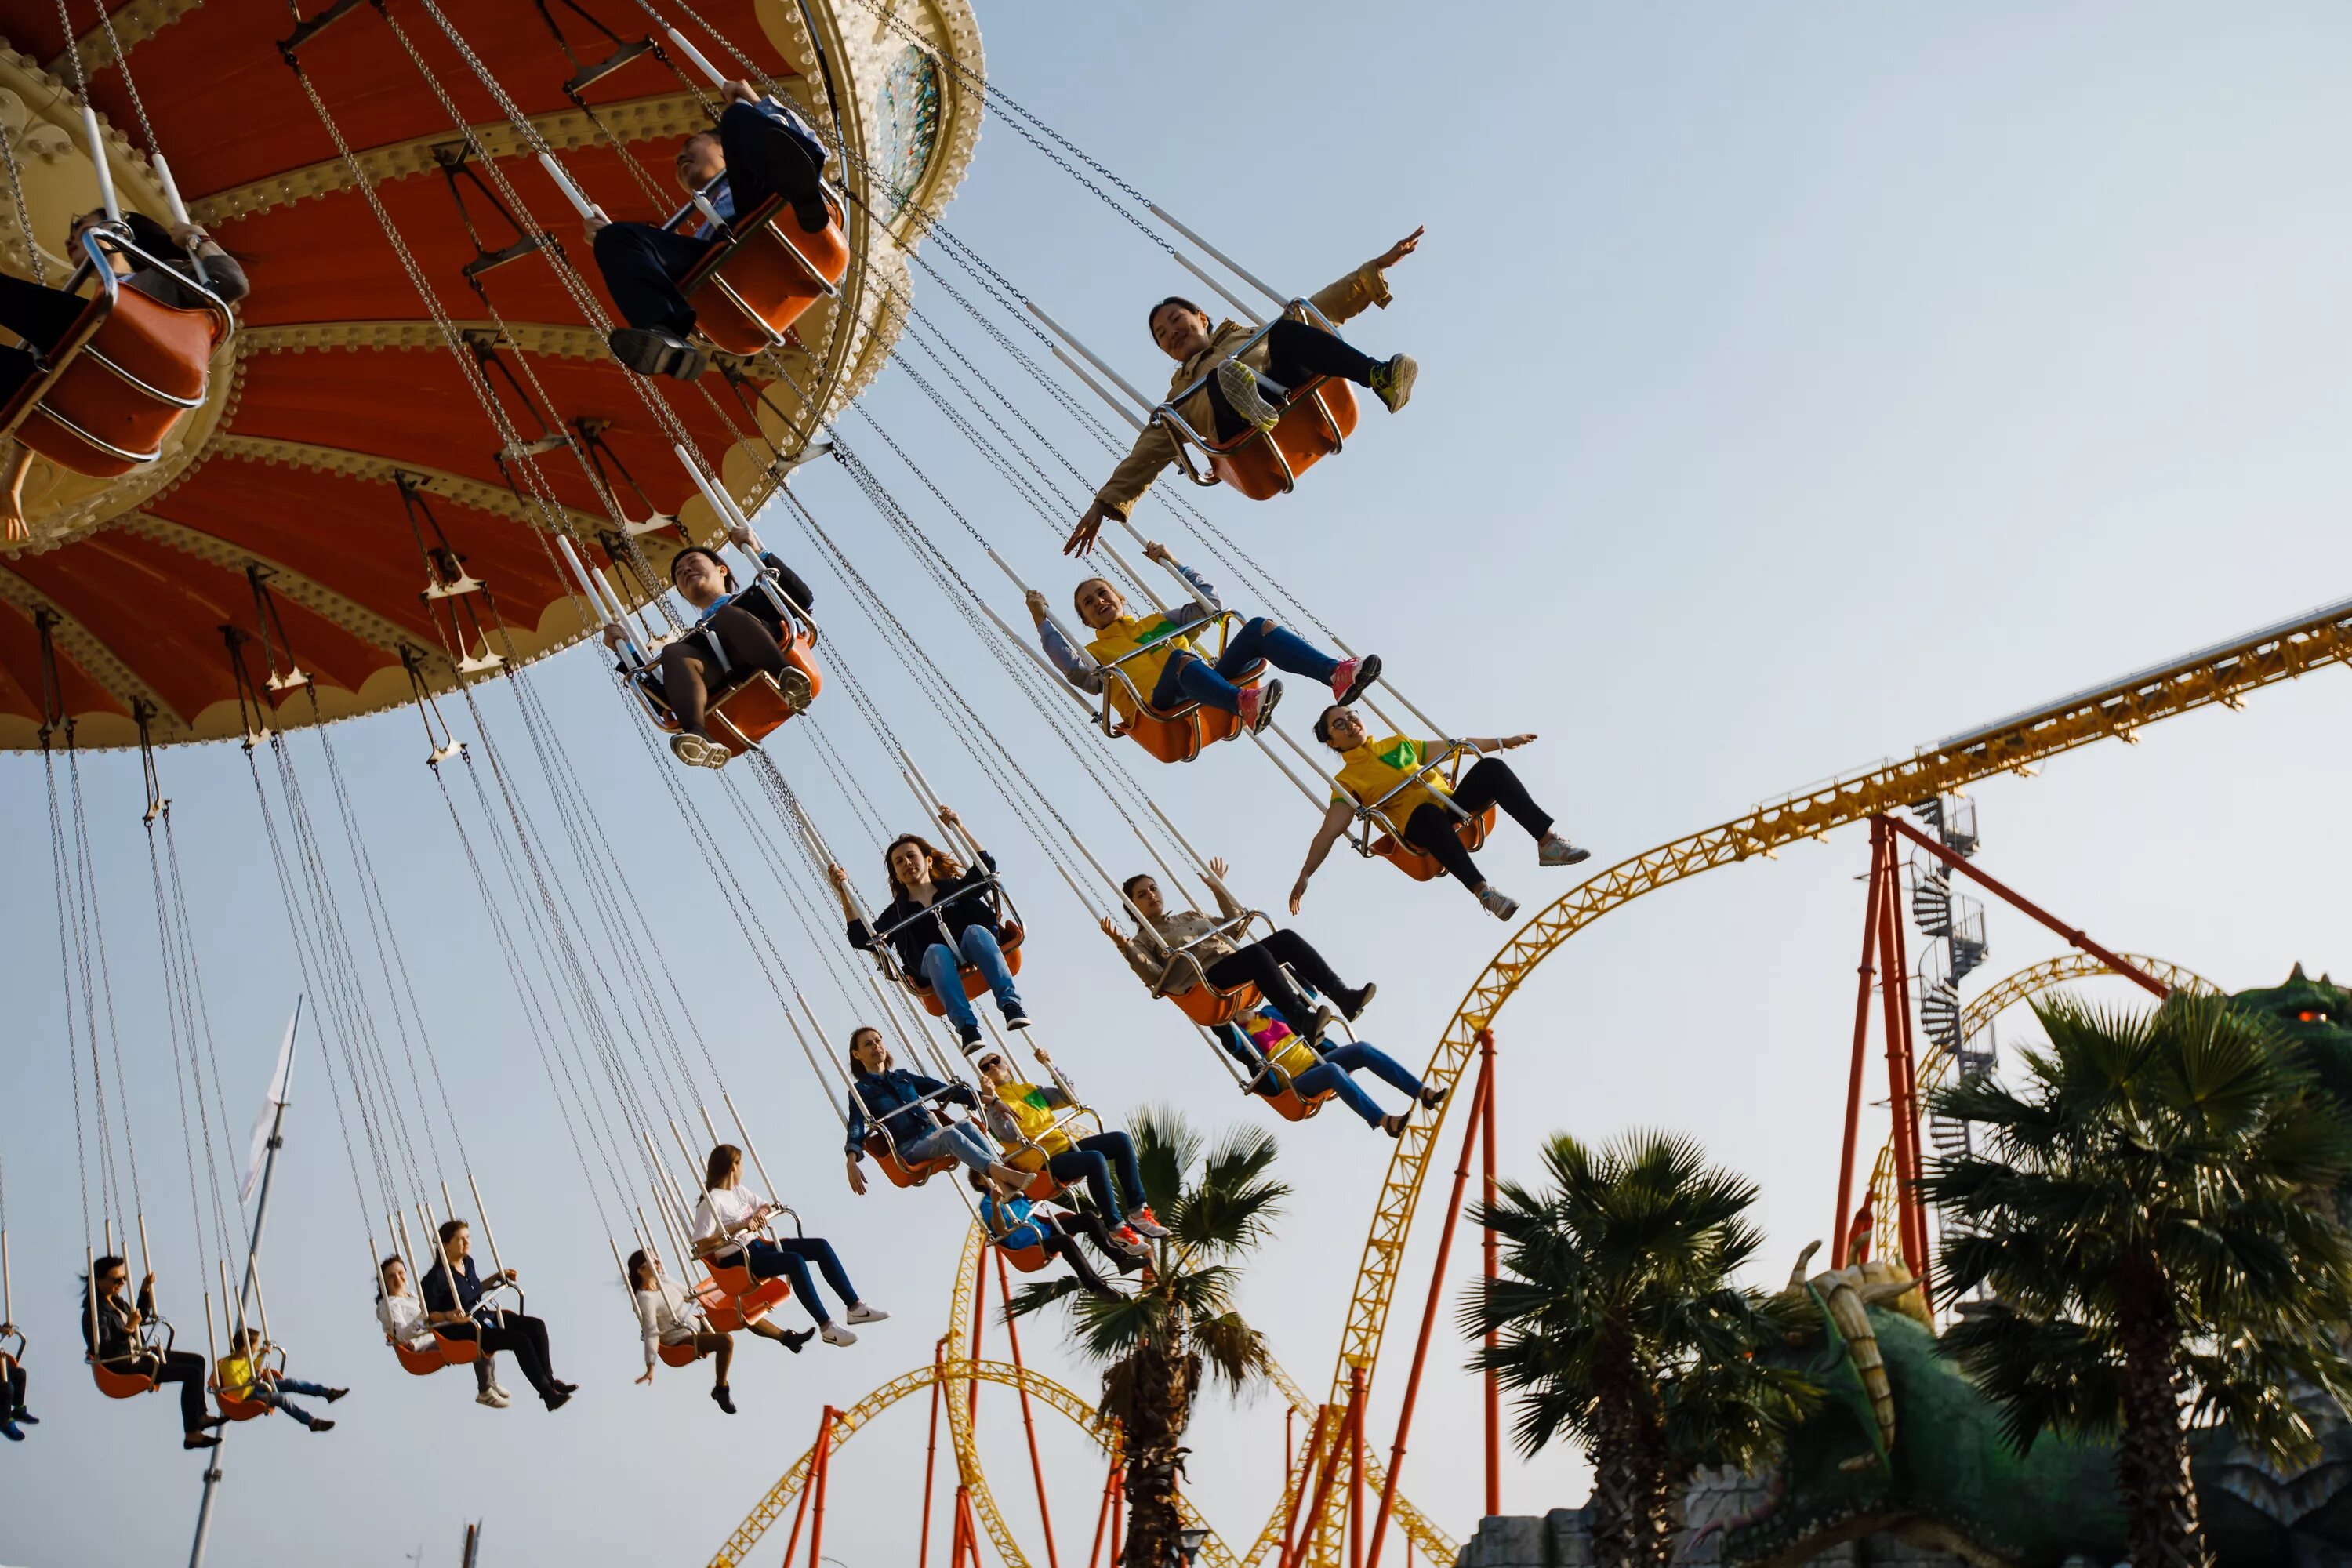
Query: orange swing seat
748, 710
120, 1383
1212, 1008
899, 1171
447, 1350
1420, 864
1181, 734
975, 984
1317, 419
1027, 1260
750, 290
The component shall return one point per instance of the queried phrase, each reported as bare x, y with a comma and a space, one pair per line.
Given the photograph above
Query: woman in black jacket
110, 1330
940, 917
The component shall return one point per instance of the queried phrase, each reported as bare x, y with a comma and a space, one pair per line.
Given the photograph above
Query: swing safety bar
1168, 415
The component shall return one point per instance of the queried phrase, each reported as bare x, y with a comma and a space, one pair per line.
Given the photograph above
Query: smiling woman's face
1180, 333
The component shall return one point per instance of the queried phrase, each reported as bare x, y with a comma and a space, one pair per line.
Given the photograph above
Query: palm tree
1620, 1326
2156, 1218
1155, 1344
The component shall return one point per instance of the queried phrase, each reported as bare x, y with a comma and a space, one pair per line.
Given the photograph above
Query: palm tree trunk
1632, 1513
1163, 1386
2152, 1458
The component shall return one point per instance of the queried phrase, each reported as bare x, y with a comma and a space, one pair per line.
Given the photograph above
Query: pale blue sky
1801, 384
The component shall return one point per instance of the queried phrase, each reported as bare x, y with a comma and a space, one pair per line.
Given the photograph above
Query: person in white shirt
726, 1222
667, 1315
406, 1322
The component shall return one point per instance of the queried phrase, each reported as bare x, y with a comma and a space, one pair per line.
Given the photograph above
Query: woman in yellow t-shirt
1258, 1036
240, 1375
1371, 768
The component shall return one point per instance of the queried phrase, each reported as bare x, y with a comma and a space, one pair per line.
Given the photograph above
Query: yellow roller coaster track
1997, 999
2222, 674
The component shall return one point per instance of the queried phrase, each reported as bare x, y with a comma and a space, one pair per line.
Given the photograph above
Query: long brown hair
944, 867
641, 1271
725, 1160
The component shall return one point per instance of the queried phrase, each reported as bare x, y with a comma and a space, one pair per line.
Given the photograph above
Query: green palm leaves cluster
2157, 1216
1619, 1326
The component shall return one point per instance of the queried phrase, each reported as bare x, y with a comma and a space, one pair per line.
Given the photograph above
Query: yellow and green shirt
235, 1375
1163, 635
1031, 1107
1378, 766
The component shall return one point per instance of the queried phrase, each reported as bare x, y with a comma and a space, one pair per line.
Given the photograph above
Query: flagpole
280, 1082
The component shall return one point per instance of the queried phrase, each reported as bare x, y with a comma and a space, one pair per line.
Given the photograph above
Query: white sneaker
491, 1397
1498, 904
1554, 850
859, 1312
500, 1389
834, 1334
1146, 1223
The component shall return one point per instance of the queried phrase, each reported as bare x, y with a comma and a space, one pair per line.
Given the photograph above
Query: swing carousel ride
405, 468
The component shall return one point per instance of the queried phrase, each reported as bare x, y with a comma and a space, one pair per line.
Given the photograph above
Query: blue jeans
1190, 679
273, 1393
1332, 1073
1092, 1160
959, 1141
790, 1256
942, 971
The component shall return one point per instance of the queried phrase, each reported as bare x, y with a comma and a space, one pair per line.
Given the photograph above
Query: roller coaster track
2224, 674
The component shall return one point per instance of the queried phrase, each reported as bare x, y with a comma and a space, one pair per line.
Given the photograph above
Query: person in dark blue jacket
762, 148
940, 917
495, 1328
903, 1106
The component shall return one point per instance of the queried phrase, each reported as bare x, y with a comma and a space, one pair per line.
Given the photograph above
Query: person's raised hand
1217, 867
615, 634
1082, 538
948, 815
188, 235
1155, 551
741, 536
840, 878
739, 92
14, 529
1401, 248
594, 225
1035, 599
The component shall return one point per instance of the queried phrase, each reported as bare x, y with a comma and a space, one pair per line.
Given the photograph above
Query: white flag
259, 1145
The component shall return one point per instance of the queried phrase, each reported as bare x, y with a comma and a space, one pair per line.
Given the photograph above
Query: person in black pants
110, 1329
13, 1414
749, 629
495, 1328
762, 148
1268, 964
1393, 772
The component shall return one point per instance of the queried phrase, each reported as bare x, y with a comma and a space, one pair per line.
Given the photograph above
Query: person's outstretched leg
766, 1328
1081, 1163
1430, 828
1297, 352
1260, 638
985, 953
686, 686
945, 976
1091, 1226
187, 1369
1361, 1055
1119, 1148
796, 1273
1256, 965
1492, 782
1060, 1245
764, 158
749, 643
641, 265
505, 1336
720, 1349
1328, 1075
1288, 947
819, 1251
276, 1399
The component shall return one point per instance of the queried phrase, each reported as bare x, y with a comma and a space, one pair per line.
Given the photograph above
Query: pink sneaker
1347, 681
1257, 705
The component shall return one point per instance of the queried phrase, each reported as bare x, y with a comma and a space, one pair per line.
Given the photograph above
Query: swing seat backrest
1317, 419
121, 1382
901, 1173
975, 984
457, 1352
123, 376
425, 1362
682, 1353
1179, 734
748, 292
1040, 1188
238, 1409
1212, 1008
1027, 1260
1422, 865
1292, 1105
745, 1308
746, 710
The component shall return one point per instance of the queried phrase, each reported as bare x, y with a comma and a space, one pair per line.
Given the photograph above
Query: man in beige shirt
1232, 400
1176, 948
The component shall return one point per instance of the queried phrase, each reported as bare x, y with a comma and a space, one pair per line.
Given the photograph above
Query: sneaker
493, 1398
1347, 681
859, 1312
1359, 999
1134, 1245
25, 1417
320, 1423
969, 1037
1392, 380
719, 1397
1239, 384
1320, 1025
794, 1341
649, 351
500, 1389
1258, 705
1393, 1125
834, 1334
1431, 1098
1016, 1181
8, 1430
556, 1401
334, 1393
1145, 1223
1499, 904
812, 216
564, 1386
1554, 850
698, 750
1016, 1019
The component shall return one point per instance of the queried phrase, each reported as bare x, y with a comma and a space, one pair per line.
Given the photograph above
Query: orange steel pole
1494, 1388
1119, 1524
1102, 1514
2026, 906
1897, 995
823, 1475
931, 1451
1355, 1466
1475, 1121
1036, 1466
1320, 1482
808, 1485
1864, 974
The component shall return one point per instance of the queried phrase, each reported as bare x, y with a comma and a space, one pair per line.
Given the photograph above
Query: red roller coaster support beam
1865, 973
1102, 1514
1029, 1426
1333, 1425
1487, 1194
824, 1479
1475, 1123
1895, 993
932, 1450
810, 1486
1999, 890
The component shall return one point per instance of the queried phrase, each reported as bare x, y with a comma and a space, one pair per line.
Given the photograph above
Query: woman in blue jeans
726, 1225
1154, 652
1257, 1039
940, 917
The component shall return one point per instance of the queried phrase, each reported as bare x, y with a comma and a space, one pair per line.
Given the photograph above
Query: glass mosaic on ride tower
906, 124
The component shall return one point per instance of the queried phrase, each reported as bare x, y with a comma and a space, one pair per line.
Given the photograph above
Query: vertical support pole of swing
1028, 1426
1842, 1226
1895, 998
249, 1284
931, 1448
1476, 1121
1488, 1261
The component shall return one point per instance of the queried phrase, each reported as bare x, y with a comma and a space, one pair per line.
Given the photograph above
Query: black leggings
1295, 353
1261, 963
524, 1337
749, 644
1061, 1234
13, 1399
185, 1368
1489, 782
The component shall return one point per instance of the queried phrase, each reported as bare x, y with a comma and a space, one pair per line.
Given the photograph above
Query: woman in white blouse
406, 1322
667, 1316
727, 1224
